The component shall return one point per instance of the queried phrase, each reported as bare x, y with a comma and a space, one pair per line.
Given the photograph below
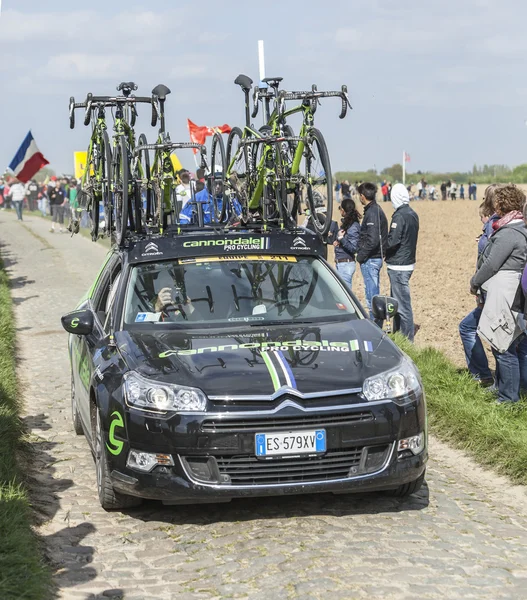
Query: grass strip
23, 573
467, 416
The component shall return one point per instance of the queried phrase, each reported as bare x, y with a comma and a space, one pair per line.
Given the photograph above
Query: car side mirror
79, 322
384, 307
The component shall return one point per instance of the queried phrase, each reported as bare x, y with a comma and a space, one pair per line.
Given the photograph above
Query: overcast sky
444, 80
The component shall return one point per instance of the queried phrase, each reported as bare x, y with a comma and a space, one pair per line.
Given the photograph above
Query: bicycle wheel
294, 195
107, 193
269, 171
121, 177
275, 191
89, 196
143, 187
238, 169
94, 216
215, 180
319, 181
289, 147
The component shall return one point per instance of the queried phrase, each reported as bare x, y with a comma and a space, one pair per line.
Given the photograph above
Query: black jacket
56, 197
402, 239
374, 229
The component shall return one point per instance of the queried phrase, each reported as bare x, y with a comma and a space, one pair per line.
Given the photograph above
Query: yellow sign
80, 158
176, 163
79, 161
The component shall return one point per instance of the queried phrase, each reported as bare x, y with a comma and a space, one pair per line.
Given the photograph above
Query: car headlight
148, 394
396, 384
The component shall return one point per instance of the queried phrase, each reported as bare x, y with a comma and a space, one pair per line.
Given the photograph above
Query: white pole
261, 59
404, 167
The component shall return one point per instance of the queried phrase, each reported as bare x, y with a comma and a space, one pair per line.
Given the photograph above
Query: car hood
254, 361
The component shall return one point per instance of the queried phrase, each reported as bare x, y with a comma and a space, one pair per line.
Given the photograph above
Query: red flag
221, 129
406, 157
199, 134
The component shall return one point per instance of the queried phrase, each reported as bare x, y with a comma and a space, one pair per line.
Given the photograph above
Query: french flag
28, 160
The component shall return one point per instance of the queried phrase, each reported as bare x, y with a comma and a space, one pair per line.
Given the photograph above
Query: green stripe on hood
272, 370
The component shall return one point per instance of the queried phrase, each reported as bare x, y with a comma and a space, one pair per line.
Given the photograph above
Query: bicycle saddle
126, 87
273, 81
161, 91
244, 82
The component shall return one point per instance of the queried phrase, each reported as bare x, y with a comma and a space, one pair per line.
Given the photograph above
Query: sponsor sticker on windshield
147, 317
210, 259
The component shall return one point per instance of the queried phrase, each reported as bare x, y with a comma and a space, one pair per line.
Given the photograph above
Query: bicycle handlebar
113, 100
315, 95
87, 114
153, 120
259, 94
256, 97
94, 102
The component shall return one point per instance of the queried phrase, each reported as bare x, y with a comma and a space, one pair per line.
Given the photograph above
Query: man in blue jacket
372, 242
400, 258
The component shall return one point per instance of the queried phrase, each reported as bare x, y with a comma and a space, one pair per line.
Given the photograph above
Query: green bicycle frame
262, 170
120, 128
96, 140
162, 165
308, 122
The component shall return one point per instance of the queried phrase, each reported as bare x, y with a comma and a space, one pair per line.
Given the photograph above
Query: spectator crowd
57, 197
370, 242
423, 190
499, 284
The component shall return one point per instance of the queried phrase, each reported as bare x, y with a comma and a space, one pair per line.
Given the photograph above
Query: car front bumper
178, 488
215, 461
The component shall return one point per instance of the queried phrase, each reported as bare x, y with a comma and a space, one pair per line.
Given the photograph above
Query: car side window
105, 293
110, 300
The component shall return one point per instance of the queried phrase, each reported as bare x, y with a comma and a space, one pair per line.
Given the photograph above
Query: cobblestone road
463, 536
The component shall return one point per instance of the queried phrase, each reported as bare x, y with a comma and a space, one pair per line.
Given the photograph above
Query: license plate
287, 443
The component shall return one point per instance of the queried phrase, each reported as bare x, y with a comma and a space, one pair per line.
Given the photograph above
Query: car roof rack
224, 242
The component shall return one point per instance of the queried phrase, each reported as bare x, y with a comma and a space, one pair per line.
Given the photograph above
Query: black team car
206, 367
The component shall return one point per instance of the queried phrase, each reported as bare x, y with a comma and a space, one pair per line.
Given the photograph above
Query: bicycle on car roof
265, 165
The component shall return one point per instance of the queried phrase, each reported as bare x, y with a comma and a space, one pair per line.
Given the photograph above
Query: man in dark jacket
56, 203
372, 242
400, 258
32, 194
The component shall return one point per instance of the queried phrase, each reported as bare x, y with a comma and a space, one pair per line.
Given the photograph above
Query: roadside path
463, 536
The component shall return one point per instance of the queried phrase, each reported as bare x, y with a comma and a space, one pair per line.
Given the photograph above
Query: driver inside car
173, 304
172, 300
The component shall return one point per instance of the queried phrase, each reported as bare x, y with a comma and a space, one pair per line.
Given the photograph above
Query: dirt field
446, 258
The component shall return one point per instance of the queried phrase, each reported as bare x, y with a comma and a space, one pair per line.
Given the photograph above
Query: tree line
478, 174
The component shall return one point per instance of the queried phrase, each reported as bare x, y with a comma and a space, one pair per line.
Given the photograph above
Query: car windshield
229, 291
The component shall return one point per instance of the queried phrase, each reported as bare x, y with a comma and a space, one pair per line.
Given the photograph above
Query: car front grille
248, 470
274, 423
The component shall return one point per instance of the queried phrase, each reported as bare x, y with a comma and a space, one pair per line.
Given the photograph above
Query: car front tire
108, 497
407, 489
75, 417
